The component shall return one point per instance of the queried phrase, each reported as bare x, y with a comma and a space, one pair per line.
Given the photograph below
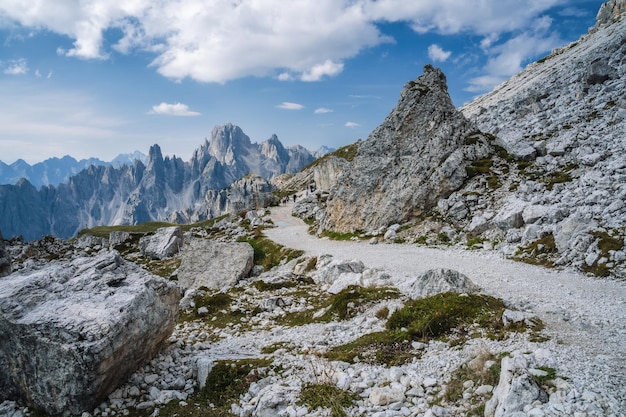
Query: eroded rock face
73, 331
214, 265
5, 261
416, 156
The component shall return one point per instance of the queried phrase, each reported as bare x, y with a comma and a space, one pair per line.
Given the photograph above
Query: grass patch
540, 252
347, 152
390, 348
225, 383
163, 267
341, 306
273, 286
267, 253
477, 372
606, 242
327, 396
437, 316
340, 236
480, 166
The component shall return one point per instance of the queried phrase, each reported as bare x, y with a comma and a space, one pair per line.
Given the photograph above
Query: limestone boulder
74, 330
214, 265
437, 281
164, 243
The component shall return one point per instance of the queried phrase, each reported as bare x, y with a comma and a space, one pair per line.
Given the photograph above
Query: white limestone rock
437, 281
164, 243
215, 265
75, 330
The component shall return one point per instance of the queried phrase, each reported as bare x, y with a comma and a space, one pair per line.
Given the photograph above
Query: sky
96, 78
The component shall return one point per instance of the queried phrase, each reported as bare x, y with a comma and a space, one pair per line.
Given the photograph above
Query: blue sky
94, 78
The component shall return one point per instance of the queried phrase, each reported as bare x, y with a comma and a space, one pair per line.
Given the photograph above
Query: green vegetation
477, 373
448, 316
273, 286
341, 236
390, 348
480, 166
606, 241
436, 316
341, 306
225, 383
347, 152
267, 253
327, 396
540, 252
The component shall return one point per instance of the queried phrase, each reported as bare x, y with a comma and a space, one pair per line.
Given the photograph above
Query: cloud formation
437, 54
222, 40
322, 110
16, 67
352, 124
176, 109
285, 105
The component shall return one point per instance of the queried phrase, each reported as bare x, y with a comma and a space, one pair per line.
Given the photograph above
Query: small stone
429, 382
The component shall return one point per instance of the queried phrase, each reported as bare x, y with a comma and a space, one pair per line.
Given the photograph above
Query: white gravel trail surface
585, 316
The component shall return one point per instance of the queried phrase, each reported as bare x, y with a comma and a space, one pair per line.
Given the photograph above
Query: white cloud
285, 105
508, 58
16, 67
177, 109
437, 54
322, 110
352, 124
222, 40
285, 76
318, 72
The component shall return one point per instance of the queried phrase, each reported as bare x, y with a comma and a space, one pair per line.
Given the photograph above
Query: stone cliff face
163, 189
416, 156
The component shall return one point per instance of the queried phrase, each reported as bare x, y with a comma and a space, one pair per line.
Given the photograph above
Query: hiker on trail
294, 198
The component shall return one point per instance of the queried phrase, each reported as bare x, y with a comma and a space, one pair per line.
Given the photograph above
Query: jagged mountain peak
228, 142
416, 156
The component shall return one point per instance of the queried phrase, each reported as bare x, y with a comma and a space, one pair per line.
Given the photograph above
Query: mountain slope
166, 188
534, 169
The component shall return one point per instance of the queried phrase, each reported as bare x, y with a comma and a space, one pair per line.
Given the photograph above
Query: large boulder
73, 331
5, 261
435, 281
214, 265
164, 243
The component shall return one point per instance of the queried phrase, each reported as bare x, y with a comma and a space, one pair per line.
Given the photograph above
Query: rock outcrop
436, 281
164, 243
215, 265
72, 331
415, 157
5, 260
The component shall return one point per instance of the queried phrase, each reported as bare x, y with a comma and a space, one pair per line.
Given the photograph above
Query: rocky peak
227, 143
272, 148
609, 13
416, 156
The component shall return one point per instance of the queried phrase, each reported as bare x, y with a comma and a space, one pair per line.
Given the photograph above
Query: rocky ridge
164, 189
532, 169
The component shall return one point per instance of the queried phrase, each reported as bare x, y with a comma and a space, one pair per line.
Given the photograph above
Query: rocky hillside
534, 169
163, 189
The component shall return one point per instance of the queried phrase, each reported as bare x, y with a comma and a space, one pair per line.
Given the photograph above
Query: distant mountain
161, 189
54, 171
323, 150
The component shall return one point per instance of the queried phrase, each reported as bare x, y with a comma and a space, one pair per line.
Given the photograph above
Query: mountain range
54, 171
164, 188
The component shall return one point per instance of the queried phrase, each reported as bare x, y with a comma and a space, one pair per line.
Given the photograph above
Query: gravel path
585, 316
